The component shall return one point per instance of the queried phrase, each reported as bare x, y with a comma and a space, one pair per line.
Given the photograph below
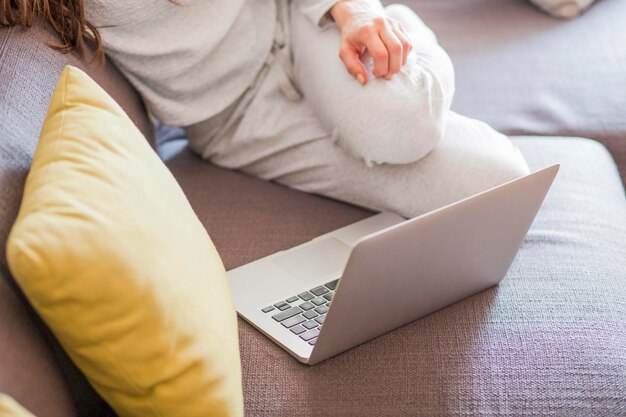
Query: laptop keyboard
304, 313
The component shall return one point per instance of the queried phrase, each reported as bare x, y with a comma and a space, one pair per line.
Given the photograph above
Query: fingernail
361, 79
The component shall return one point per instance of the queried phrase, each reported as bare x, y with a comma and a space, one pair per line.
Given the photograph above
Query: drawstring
279, 60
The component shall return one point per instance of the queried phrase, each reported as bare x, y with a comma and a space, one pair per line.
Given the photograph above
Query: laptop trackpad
315, 260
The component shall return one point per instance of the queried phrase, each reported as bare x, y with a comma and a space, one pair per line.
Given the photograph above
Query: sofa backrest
34, 369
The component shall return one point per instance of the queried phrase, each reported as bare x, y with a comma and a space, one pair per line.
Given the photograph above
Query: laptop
351, 285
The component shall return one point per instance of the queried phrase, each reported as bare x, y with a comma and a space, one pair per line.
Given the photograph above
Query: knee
394, 122
399, 121
396, 140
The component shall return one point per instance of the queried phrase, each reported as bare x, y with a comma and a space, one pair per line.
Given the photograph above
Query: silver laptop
349, 286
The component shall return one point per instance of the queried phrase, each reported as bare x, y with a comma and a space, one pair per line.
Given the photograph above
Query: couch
549, 340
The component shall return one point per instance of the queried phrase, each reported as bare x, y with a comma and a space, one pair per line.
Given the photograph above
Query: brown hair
65, 17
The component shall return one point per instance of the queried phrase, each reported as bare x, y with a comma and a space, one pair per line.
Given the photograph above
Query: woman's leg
282, 141
271, 136
396, 121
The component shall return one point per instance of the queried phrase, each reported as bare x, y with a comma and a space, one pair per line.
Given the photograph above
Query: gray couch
549, 340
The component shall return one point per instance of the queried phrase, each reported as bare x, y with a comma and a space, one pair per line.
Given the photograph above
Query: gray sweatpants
390, 145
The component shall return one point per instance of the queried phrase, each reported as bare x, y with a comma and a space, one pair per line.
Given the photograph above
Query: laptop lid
412, 269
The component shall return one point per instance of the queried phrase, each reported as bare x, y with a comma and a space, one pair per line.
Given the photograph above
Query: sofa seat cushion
524, 72
549, 340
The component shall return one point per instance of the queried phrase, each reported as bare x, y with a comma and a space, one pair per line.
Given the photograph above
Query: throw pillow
111, 255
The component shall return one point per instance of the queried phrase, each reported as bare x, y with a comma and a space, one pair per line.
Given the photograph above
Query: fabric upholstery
29, 71
110, 254
526, 73
547, 341
28, 369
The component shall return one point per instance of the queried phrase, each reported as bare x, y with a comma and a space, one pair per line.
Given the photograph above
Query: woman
342, 98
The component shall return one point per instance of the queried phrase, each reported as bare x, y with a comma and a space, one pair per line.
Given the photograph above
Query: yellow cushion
10, 408
111, 255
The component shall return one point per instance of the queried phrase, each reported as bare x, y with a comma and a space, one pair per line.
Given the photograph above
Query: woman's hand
364, 26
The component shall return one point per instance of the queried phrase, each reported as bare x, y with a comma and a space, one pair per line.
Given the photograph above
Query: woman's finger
352, 61
394, 48
378, 51
404, 40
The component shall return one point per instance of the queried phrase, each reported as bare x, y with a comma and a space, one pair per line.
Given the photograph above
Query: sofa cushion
29, 71
28, 369
524, 72
547, 341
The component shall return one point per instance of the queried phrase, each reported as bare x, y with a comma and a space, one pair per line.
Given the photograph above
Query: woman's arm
364, 25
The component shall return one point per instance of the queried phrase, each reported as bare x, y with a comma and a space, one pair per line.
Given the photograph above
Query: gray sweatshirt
191, 59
